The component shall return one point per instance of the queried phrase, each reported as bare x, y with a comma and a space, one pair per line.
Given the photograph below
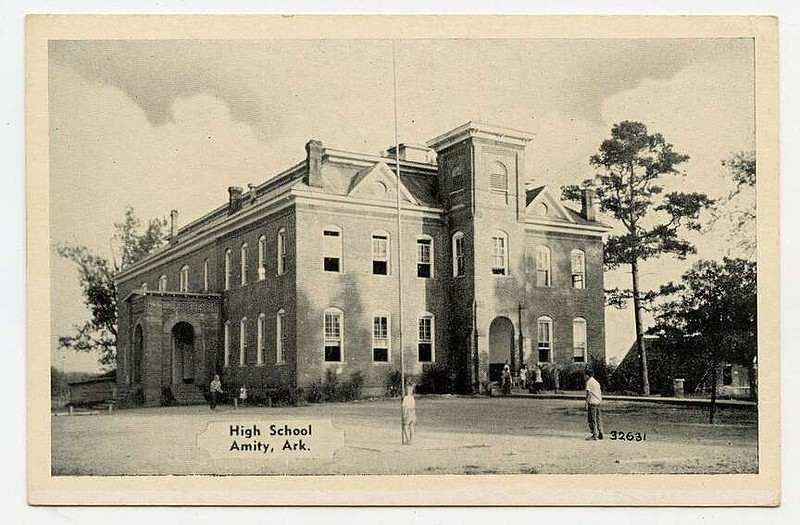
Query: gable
379, 182
542, 204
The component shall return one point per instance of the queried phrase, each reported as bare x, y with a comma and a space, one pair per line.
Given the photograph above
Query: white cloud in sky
170, 124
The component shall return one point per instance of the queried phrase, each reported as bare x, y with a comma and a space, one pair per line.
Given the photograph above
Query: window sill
456, 192
260, 365
281, 363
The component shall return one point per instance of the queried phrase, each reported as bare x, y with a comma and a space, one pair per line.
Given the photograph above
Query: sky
171, 124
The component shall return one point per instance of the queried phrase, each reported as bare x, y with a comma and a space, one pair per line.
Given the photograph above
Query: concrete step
188, 394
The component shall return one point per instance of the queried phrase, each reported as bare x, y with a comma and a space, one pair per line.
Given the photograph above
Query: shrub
167, 397
315, 392
286, 396
333, 389
436, 379
393, 386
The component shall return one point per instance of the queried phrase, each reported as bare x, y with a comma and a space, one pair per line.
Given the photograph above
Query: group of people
594, 398
532, 380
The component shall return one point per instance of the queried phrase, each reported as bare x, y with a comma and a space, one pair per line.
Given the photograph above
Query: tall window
457, 178
242, 340
578, 262
425, 257
162, 283
333, 334
184, 279
281, 251
545, 339
205, 275
262, 258
138, 355
261, 328
425, 338
332, 249
458, 254
227, 344
543, 273
380, 253
243, 264
228, 268
498, 178
579, 340
499, 253
380, 338
280, 336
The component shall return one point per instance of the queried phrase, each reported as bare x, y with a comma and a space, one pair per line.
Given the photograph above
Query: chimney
314, 152
234, 199
252, 192
173, 226
588, 207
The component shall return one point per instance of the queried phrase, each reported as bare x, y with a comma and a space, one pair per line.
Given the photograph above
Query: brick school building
300, 275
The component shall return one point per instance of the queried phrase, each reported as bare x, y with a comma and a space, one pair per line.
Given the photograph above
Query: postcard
402, 260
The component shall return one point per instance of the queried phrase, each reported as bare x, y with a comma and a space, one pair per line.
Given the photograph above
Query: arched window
544, 330
162, 283
425, 256
380, 253
184, 278
333, 335
243, 263
280, 336
425, 338
227, 344
499, 253
144, 287
137, 355
261, 329
228, 268
281, 251
332, 249
498, 177
242, 341
457, 178
458, 254
543, 270
205, 275
381, 332
262, 258
579, 340
578, 263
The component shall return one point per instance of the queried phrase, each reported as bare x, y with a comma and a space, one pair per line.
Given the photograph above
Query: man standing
594, 398
214, 389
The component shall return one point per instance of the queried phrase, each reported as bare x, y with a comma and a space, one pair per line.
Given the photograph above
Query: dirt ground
455, 435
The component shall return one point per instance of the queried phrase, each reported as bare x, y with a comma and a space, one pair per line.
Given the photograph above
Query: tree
96, 278
738, 208
631, 163
716, 305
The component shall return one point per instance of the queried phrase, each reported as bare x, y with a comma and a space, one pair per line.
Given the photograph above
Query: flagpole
399, 239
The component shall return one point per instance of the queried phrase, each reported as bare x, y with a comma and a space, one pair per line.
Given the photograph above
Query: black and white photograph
354, 255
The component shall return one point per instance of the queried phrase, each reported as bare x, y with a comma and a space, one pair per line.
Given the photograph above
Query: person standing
538, 383
506, 382
594, 398
523, 376
215, 388
409, 406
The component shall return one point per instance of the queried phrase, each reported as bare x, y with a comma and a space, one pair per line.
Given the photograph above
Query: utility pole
399, 240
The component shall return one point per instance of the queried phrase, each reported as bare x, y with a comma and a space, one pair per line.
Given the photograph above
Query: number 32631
616, 435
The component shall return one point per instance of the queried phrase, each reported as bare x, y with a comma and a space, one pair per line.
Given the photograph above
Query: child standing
409, 406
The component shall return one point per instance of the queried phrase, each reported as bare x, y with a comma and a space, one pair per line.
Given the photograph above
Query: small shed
94, 391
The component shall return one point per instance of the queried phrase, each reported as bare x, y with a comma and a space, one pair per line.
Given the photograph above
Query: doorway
183, 353
501, 347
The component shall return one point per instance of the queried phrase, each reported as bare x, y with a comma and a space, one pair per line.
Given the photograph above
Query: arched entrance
137, 355
183, 353
501, 346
